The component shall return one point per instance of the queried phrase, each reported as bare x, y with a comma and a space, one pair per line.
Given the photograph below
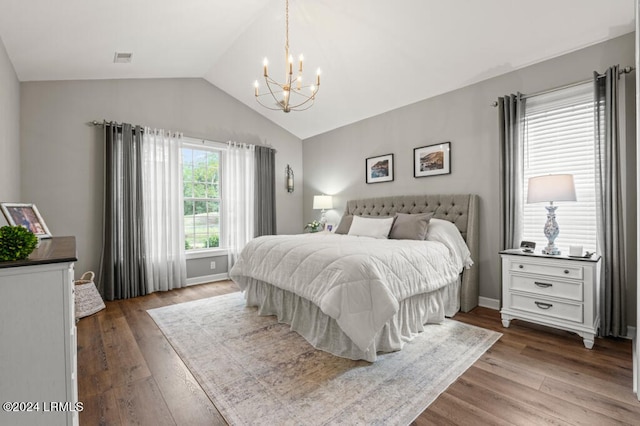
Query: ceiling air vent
122, 57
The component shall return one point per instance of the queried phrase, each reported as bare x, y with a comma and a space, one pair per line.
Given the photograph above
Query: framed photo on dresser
27, 215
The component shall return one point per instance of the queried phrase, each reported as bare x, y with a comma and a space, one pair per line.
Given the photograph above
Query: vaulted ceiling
375, 55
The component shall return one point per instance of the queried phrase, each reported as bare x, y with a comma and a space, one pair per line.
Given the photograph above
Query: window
559, 138
202, 198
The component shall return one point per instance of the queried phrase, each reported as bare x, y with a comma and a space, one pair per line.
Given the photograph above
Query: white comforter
358, 281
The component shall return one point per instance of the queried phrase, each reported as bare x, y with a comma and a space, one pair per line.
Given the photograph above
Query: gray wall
334, 161
62, 155
9, 131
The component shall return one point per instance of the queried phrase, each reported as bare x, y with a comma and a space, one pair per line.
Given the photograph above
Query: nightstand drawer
564, 271
548, 308
548, 287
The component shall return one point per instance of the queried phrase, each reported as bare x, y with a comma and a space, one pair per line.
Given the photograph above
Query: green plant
213, 241
314, 226
16, 243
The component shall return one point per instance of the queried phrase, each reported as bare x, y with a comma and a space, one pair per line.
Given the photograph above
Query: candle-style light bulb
313, 89
318, 77
301, 59
265, 63
290, 64
256, 85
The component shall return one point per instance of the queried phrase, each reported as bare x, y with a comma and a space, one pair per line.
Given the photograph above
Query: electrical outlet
213, 265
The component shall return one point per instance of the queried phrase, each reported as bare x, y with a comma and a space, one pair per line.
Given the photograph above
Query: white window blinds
559, 138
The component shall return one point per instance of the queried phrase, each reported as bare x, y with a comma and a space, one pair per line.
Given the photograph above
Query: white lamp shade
322, 202
551, 188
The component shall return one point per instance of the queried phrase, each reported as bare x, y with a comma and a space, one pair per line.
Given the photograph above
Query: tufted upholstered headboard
460, 209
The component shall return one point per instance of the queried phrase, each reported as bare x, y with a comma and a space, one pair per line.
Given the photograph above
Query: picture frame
432, 160
379, 169
27, 215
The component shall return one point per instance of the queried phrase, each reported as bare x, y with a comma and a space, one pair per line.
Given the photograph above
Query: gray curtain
609, 202
265, 192
511, 111
122, 268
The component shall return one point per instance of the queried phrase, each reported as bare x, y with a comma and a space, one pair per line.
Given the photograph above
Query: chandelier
291, 95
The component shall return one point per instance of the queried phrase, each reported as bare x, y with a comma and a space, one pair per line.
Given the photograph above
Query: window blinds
558, 137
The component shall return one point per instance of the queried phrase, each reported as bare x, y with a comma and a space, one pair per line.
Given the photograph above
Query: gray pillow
345, 224
410, 226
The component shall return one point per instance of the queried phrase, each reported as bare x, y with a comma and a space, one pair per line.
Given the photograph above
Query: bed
355, 296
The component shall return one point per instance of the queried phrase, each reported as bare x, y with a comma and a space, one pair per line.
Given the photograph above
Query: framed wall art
432, 160
379, 169
26, 215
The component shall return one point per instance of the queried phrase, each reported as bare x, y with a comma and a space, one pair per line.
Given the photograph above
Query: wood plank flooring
129, 374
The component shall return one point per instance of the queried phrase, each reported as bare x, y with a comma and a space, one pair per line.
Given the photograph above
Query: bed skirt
323, 332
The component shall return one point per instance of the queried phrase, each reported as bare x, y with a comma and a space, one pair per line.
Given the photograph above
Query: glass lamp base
551, 251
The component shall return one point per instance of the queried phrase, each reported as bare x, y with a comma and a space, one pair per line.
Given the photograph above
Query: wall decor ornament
288, 178
379, 169
27, 215
432, 160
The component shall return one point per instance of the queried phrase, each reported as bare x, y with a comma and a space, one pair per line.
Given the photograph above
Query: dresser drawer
549, 308
547, 287
564, 271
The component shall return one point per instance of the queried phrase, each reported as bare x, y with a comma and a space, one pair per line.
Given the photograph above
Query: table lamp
551, 188
322, 202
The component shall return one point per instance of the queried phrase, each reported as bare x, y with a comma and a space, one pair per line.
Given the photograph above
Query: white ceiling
375, 55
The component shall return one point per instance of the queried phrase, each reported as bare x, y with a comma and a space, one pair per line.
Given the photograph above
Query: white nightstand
556, 291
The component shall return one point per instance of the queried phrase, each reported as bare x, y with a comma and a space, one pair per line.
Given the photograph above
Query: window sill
198, 254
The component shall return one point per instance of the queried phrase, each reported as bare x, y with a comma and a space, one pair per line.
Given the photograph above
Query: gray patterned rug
257, 371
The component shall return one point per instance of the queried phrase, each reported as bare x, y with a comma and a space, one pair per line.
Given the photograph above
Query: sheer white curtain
164, 210
238, 194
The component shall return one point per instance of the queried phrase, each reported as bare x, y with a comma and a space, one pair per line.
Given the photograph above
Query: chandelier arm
268, 107
306, 99
302, 103
273, 94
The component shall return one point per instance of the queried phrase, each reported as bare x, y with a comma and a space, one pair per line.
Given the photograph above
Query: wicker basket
86, 278
88, 300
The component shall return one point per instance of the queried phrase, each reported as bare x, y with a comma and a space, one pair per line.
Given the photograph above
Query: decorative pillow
410, 226
371, 227
448, 234
345, 224
346, 221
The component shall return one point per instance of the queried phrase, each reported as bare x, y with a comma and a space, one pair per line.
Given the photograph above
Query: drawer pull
520, 266
566, 271
543, 305
543, 285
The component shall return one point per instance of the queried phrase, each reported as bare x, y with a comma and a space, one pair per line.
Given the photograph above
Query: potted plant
16, 243
314, 226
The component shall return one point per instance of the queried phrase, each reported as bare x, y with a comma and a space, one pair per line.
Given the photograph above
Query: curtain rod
101, 123
624, 70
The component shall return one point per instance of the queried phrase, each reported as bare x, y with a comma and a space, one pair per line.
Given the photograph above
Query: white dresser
556, 291
38, 361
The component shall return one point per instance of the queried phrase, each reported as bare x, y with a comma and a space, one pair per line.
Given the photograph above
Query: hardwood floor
129, 374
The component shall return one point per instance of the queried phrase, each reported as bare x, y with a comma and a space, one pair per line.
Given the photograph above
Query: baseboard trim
631, 333
207, 279
486, 302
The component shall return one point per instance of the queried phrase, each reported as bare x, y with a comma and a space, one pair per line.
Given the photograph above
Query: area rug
257, 371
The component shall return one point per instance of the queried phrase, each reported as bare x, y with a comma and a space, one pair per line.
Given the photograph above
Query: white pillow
370, 227
448, 234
